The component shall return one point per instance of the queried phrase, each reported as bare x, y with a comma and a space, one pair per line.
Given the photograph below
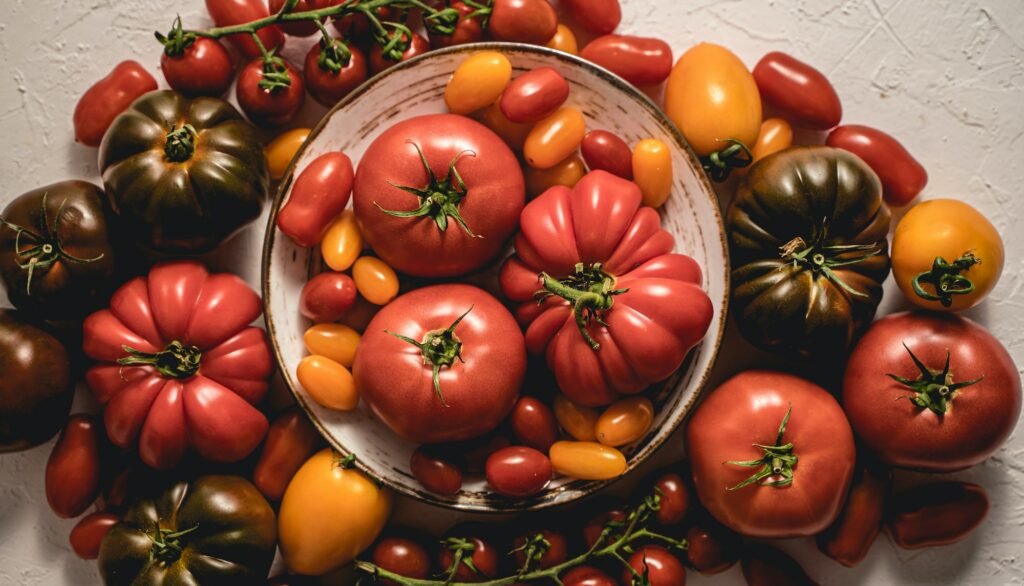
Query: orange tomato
566, 173
328, 382
587, 460
564, 40
578, 421
625, 421
477, 82
775, 135
554, 138
335, 341
512, 133
652, 171
342, 242
375, 280
282, 149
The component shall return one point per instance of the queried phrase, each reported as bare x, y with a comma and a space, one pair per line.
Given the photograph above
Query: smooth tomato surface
269, 107
204, 68
801, 93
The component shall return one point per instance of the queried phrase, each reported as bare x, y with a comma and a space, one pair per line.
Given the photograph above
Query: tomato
775, 135
594, 529
195, 66
467, 30
901, 175
711, 548
282, 149
642, 61
292, 439
232, 12
848, 539
478, 561
375, 280
36, 387
587, 460
88, 533
335, 341
587, 576
598, 17
476, 451
465, 192
554, 138
931, 391
652, 171
179, 366
937, 514
564, 40
298, 28
330, 514
660, 566
764, 565
522, 21
437, 474
328, 383
107, 98
567, 174
533, 423
318, 195
327, 297
712, 98
518, 471
674, 499
513, 134
946, 256
73, 469
357, 26
625, 421
328, 86
278, 102
534, 95
361, 314
406, 50
798, 92
578, 421
544, 549
401, 556
744, 442
604, 150
620, 352
342, 242
477, 82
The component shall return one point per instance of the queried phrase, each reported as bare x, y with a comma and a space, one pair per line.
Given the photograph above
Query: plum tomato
89, 532
545, 549
577, 420
328, 383
290, 441
775, 135
317, 196
599, 17
533, 423
625, 421
518, 471
375, 280
674, 499
587, 460
282, 149
587, 576
72, 478
202, 67
797, 91
534, 95
522, 21
902, 176
660, 565
232, 12
604, 150
467, 30
264, 94
652, 171
335, 341
848, 539
330, 77
479, 560
342, 242
406, 49
477, 82
327, 297
434, 472
764, 565
403, 556
712, 548
937, 514
566, 174
554, 138
513, 134
107, 98
642, 61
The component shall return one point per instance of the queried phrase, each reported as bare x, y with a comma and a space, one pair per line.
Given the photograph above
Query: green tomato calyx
167, 544
175, 361
720, 164
440, 349
180, 143
933, 389
946, 280
825, 258
777, 463
591, 292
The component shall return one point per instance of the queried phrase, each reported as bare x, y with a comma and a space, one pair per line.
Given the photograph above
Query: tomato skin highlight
523, 21
73, 469
265, 107
534, 95
652, 171
604, 150
599, 17
282, 149
328, 87
533, 424
327, 297
291, 440
435, 473
937, 514
801, 93
587, 576
477, 82
342, 242
203, 69
902, 176
848, 540
88, 533
107, 98
232, 12
639, 60
319, 194
518, 471
587, 460
662, 567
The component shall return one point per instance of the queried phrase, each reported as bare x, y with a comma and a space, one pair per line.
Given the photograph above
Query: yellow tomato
477, 82
578, 421
554, 138
652, 171
564, 40
587, 460
330, 514
712, 97
566, 173
775, 135
335, 341
512, 133
342, 242
328, 382
375, 280
282, 149
953, 252
625, 421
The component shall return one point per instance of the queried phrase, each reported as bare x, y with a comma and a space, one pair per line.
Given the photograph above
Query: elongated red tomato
73, 470
848, 539
518, 471
638, 60
203, 68
435, 473
937, 514
901, 175
764, 565
800, 93
319, 194
107, 98
231, 12
291, 440
88, 533
599, 17
534, 95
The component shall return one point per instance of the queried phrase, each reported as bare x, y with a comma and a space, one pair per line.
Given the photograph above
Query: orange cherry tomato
335, 341
554, 138
513, 134
342, 242
564, 40
625, 421
282, 149
328, 383
477, 82
578, 421
566, 173
375, 280
776, 134
587, 460
652, 171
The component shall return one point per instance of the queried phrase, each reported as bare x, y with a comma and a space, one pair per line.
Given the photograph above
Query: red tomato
800, 93
711, 548
357, 26
270, 107
595, 527
763, 565
937, 514
73, 470
779, 497
933, 422
329, 87
232, 12
522, 21
107, 98
638, 60
435, 473
482, 555
518, 471
88, 533
445, 238
534, 95
599, 17
327, 297
848, 539
468, 30
661, 567
587, 576
605, 151
179, 365
379, 62
292, 439
675, 499
460, 360
402, 556
528, 545
533, 423
475, 452
901, 175
592, 237
203, 68
318, 195
299, 28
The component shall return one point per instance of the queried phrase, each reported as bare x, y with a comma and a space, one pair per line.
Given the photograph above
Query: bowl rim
583, 488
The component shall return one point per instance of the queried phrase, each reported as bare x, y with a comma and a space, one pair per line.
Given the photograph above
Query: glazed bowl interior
414, 88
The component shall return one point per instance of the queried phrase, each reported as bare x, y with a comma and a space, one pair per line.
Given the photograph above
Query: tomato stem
440, 349
180, 143
177, 40
720, 164
933, 389
777, 462
946, 280
175, 361
167, 545
824, 258
591, 292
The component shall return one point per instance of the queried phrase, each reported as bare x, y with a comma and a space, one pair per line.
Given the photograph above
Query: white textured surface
945, 76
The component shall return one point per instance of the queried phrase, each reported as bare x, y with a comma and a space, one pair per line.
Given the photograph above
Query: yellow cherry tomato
587, 460
952, 251
775, 135
712, 97
477, 82
566, 173
342, 242
625, 421
514, 134
335, 341
328, 383
282, 149
554, 138
652, 171
375, 280
330, 514
578, 421
564, 40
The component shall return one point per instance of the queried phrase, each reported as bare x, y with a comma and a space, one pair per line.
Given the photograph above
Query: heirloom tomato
179, 365
599, 17
522, 21
270, 92
902, 176
638, 60
195, 66
330, 78
477, 82
799, 92
72, 478
107, 98
232, 12
937, 514
618, 310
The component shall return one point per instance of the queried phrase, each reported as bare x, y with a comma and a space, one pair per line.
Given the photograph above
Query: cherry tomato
282, 149
625, 421
518, 471
375, 280
599, 17
477, 82
775, 135
661, 567
483, 557
319, 194
554, 138
799, 92
435, 473
417, 46
401, 556
335, 341
327, 297
567, 173
652, 171
604, 150
848, 539
328, 383
269, 107
328, 87
533, 423
675, 499
232, 12
564, 40
513, 134
88, 533
290, 441
595, 527
357, 26
901, 175
937, 514
534, 95
578, 421
587, 576
342, 242
467, 30
587, 460
711, 547
107, 98
763, 565
522, 21
557, 549
298, 28
203, 68
73, 469
638, 60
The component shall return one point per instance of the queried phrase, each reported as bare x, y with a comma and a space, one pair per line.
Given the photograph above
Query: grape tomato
652, 171
625, 421
533, 423
335, 341
604, 150
375, 280
518, 471
902, 176
107, 98
513, 134
577, 420
282, 149
641, 61
776, 134
587, 460
87, 535
599, 17
567, 174
342, 242
522, 21
534, 95
937, 514
436, 474
327, 297
477, 82
319, 194
328, 383
554, 138
564, 40
799, 92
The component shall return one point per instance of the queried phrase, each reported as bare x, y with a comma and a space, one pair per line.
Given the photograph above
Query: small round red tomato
931, 391
587, 576
73, 470
436, 474
764, 565
902, 176
327, 297
479, 560
674, 499
661, 567
599, 17
232, 12
711, 548
291, 440
518, 471
522, 21
402, 556
595, 527
317, 197
201, 68
408, 49
533, 423
534, 95
937, 514
329, 80
89, 532
467, 30
799, 92
638, 60
271, 93
107, 98
604, 150
299, 28
545, 549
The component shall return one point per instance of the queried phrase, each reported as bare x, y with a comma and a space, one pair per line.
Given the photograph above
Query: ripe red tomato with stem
468, 555
332, 72
395, 51
607, 520
194, 65
674, 499
599, 17
107, 98
522, 21
403, 556
232, 12
660, 567
638, 60
800, 93
467, 30
299, 28
902, 176
587, 576
544, 549
270, 91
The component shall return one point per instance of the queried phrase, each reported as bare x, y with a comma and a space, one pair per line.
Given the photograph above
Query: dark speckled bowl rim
582, 488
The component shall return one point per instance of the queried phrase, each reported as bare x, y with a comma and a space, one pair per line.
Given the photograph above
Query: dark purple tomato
712, 547
534, 95
402, 556
604, 150
599, 17
593, 529
533, 424
467, 30
518, 471
327, 86
638, 60
556, 553
327, 297
763, 565
901, 175
937, 514
800, 93
523, 21
435, 473
484, 557
663, 568
587, 576
675, 499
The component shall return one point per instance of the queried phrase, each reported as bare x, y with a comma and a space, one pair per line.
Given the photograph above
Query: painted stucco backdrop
945, 76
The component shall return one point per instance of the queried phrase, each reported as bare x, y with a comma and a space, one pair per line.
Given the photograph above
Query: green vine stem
946, 280
720, 164
933, 389
778, 461
591, 292
440, 349
826, 258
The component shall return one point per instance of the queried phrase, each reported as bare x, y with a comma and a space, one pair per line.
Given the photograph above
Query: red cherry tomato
378, 62
937, 514
604, 150
204, 68
401, 556
299, 28
467, 30
356, 26
533, 423
523, 21
484, 558
319, 194
269, 107
799, 92
593, 529
327, 86
291, 440
901, 175
848, 539
73, 470
436, 474
662, 567
557, 552
534, 95
675, 499
232, 12
518, 471
587, 576
764, 565
599, 17
88, 533
107, 98
638, 60
711, 547
327, 297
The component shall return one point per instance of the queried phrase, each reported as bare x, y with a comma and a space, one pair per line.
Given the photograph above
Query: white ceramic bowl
414, 88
